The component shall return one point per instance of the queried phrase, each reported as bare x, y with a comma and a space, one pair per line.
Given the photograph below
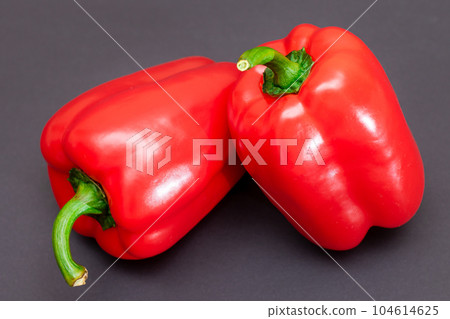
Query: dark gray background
244, 250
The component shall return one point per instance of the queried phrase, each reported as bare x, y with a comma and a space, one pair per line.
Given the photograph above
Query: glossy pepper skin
372, 172
87, 139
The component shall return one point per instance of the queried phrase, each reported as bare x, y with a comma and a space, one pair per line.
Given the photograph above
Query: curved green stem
89, 200
284, 74
284, 69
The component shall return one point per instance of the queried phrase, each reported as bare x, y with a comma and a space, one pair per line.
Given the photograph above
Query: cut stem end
243, 65
81, 281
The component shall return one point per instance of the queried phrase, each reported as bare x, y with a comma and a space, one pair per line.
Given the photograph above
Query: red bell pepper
102, 196
365, 168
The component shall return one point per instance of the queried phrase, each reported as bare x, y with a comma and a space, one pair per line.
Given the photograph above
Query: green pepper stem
89, 199
287, 72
